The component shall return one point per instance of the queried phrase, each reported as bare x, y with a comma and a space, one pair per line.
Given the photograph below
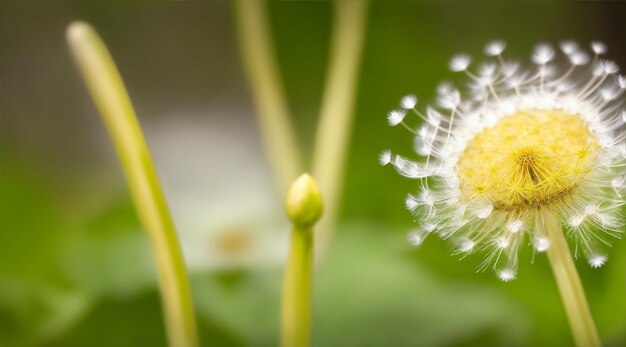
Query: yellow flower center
530, 159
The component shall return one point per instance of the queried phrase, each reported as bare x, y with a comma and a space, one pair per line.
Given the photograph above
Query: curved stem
570, 288
336, 114
263, 74
111, 98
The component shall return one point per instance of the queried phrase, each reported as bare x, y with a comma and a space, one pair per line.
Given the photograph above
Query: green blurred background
75, 268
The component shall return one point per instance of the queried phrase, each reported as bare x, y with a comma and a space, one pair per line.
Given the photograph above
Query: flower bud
304, 202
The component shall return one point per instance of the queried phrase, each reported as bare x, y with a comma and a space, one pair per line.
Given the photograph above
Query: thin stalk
571, 289
304, 208
263, 74
296, 297
111, 98
336, 113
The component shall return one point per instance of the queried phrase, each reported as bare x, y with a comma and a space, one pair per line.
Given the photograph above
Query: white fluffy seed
384, 157
598, 47
568, 47
596, 261
459, 62
484, 212
494, 48
542, 54
515, 226
395, 117
415, 238
541, 243
466, 246
408, 102
506, 275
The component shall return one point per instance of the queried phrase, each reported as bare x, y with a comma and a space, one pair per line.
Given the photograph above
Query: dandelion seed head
529, 151
520, 145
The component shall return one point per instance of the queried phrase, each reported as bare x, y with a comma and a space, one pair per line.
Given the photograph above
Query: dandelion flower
520, 154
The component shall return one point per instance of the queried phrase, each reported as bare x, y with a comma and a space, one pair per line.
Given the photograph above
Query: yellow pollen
530, 159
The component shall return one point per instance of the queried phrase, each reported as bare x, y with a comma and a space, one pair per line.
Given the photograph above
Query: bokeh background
75, 268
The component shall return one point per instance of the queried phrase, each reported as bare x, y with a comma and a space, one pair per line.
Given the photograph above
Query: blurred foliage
75, 268
373, 288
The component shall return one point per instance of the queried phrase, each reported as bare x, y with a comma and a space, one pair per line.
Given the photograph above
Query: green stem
304, 208
571, 289
263, 74
336, 113
111, 98
296, 297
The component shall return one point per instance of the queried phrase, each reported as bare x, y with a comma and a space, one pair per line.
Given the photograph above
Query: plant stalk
336, 113
263, 74
570, 287
304, 208
296, 297
111, 98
